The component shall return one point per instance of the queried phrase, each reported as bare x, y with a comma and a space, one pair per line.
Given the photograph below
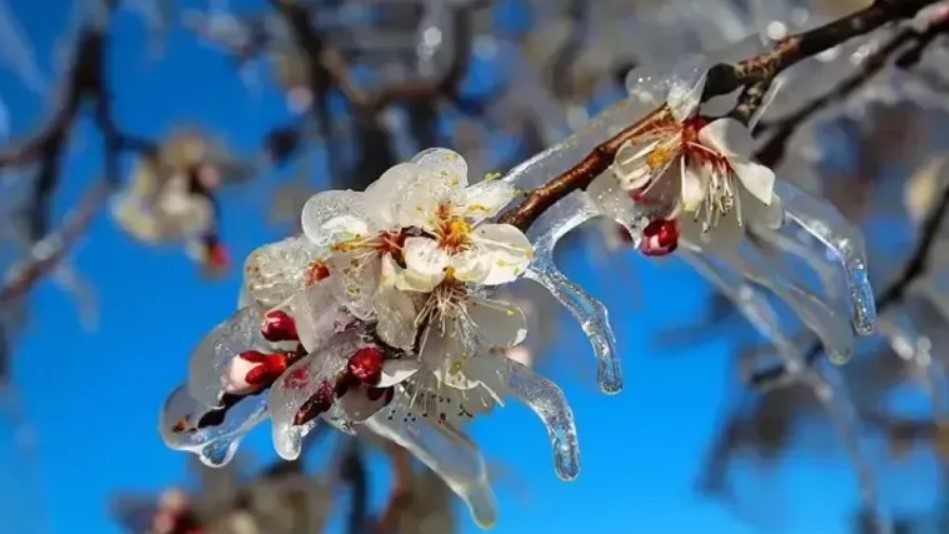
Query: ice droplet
449, 453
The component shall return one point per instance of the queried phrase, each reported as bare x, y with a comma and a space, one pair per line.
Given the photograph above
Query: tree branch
784, 128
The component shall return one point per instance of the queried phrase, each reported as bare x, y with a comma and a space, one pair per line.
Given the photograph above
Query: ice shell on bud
211, 357
301, 382
214, 445
334, 216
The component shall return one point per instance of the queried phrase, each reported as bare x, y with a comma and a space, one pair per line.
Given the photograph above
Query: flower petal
441, 348
417, 203
630, 166
472, 265
499, 323
510, 251
425, 264
358, 405
485, 199
757, 179
395, 314
446, 163
729, 137
354, 278
693, 186
397, 371
389, 188
333, 216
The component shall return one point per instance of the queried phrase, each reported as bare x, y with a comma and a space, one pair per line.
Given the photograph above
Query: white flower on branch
693, 175
418, 227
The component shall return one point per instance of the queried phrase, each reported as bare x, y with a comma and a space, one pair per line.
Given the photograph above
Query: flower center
454, 235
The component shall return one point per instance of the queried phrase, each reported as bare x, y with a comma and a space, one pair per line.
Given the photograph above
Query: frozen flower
273, 273
693, 176
455, 242
412, 229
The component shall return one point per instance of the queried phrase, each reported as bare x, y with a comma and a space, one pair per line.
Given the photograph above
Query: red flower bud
279, 326
660, 237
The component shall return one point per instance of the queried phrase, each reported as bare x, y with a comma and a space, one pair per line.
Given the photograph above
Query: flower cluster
381, 314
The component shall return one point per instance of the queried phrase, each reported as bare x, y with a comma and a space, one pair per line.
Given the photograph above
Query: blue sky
92, 396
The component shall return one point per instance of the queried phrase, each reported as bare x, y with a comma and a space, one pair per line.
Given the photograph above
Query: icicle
450, 454
832, 329
825, 223
214, 444
589, 312
752, 305
816, 260
548, 402
313, 375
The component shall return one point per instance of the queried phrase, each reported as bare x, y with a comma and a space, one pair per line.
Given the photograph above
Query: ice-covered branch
906, 44
725, 78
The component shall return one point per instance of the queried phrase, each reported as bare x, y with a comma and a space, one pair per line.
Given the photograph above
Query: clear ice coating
319, 315
589, 312
210, 358
325, 216
449, 453
548, 402
274, 272
300, 382
215, 445
825, 223
752, 305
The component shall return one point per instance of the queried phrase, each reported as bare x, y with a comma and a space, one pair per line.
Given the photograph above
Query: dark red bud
366, 365
320, 402
660, 237
279, 326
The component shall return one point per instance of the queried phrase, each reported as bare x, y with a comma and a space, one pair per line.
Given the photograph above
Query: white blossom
694, 173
